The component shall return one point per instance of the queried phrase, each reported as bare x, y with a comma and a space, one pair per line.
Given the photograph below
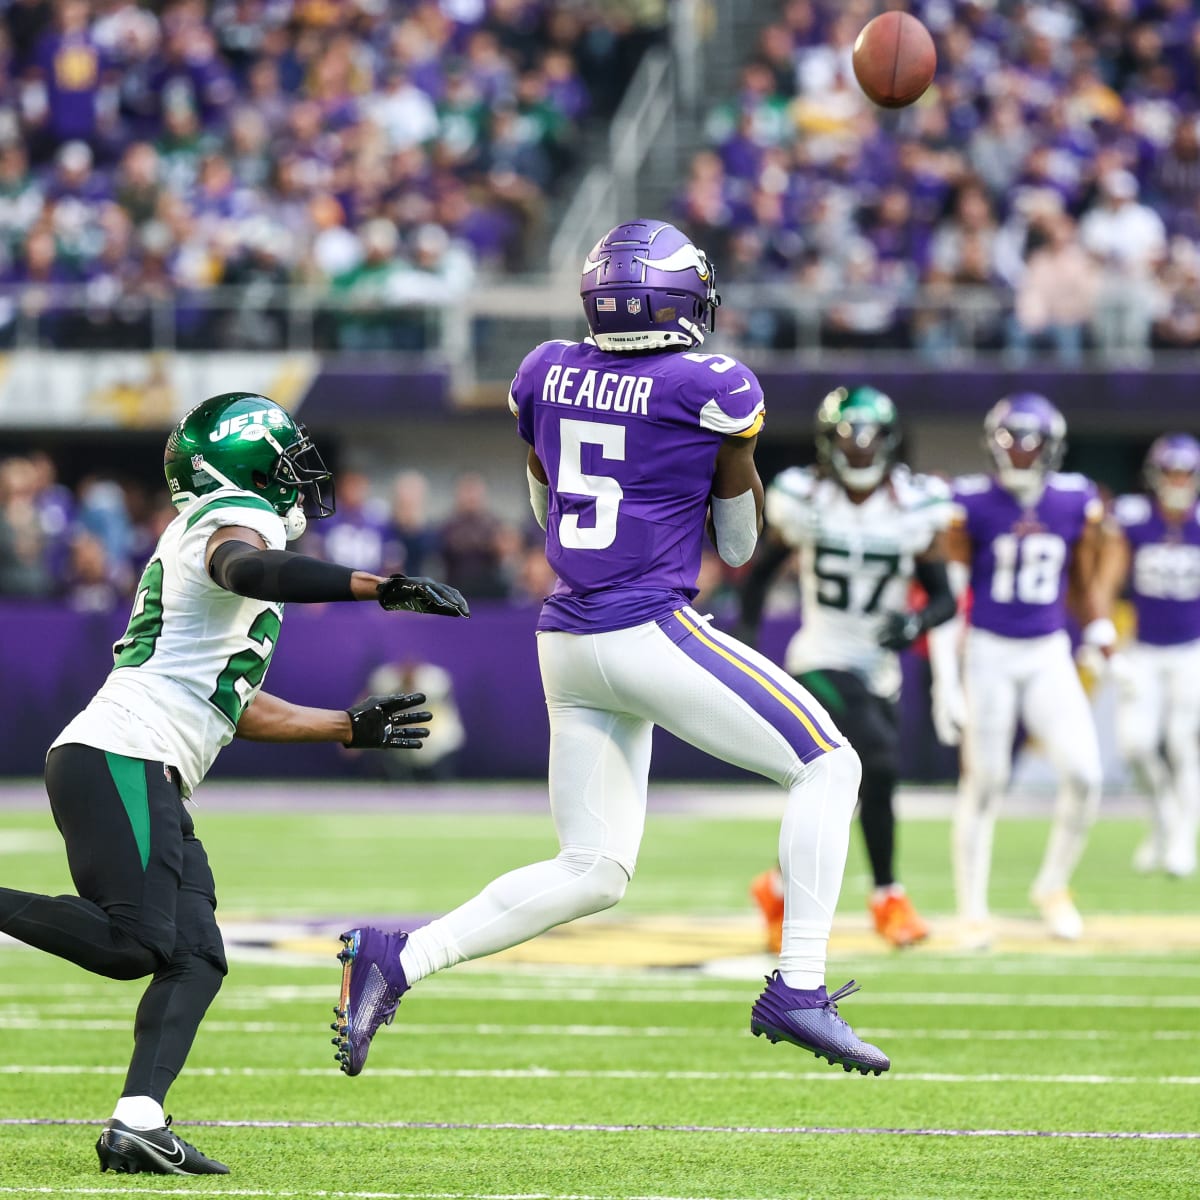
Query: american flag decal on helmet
606, 304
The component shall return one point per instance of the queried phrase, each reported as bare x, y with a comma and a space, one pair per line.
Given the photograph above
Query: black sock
879, 823
167, 1019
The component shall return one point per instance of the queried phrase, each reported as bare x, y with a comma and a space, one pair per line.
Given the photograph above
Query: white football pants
605, 693
1035, 679
1159, 710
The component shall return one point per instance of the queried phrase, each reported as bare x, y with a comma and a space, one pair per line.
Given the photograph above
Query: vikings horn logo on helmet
645, 286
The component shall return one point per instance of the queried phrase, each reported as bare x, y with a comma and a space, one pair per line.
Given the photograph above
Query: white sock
813, 843
882, 893
1073, 816
514, 908
974, 828
139, 1112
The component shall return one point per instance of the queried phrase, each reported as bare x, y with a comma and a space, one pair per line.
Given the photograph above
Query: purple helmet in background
1025, 437
646, 287
1172, 470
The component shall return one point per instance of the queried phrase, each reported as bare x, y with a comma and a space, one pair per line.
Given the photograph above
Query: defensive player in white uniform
1156, 557
1029, 535
865, 527
185, 680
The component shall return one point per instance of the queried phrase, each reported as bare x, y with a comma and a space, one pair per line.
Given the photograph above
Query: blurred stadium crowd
385, 151
1050, 177
87, 547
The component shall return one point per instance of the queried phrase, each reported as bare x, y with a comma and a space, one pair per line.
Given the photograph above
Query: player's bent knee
600, 881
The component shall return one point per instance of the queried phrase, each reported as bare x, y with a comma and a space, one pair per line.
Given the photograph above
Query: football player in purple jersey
1030, 536
639, 443
1156, 556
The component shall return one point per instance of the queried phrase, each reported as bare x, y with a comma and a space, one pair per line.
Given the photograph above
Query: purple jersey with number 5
1020, 555
629, 443
1164, 576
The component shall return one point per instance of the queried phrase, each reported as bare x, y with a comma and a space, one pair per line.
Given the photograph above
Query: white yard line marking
538, 1127
260, 1028
548, 1073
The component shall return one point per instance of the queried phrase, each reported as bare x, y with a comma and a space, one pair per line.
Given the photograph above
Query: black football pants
870, 726
146, 901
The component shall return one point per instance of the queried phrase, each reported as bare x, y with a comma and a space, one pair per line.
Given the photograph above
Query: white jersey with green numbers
856, 563
193, 655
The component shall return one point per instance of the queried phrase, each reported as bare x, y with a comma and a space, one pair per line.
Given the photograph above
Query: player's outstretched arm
378, 723
238, 560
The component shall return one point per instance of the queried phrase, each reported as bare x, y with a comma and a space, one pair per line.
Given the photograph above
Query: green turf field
646, 1075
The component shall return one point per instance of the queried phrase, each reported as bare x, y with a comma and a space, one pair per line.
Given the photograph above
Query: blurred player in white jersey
186, 680
1156, 556
865, 527
1028, 535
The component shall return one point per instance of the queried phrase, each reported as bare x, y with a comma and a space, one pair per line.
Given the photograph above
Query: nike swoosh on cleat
171, 1162
744, 388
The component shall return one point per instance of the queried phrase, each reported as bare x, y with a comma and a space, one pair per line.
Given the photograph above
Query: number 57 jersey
629, 443
856, 564
1020, 554
193, 655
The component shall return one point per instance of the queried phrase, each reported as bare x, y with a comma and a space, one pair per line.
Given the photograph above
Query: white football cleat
1180, 858
1060, 914
975, 937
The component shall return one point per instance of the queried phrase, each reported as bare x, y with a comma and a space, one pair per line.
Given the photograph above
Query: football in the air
894, 59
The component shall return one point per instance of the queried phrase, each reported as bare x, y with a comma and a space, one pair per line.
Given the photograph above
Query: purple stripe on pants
801, 729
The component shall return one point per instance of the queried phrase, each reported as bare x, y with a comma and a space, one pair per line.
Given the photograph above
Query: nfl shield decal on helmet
634, 305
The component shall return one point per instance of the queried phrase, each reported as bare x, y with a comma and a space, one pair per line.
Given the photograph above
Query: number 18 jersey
856, 562
193, 655
1020, 554
629, 443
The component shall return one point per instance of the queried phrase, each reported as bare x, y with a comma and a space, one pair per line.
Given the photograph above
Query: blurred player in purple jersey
1029, 536
638, 443
1157, 556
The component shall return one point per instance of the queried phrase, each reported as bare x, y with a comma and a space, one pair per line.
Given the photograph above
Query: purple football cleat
372, 984
809, 1019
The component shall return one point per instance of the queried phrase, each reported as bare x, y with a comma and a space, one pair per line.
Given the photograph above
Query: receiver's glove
383, 723
416, 593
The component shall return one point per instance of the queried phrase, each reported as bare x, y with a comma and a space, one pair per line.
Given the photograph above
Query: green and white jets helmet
245, 441
858, 435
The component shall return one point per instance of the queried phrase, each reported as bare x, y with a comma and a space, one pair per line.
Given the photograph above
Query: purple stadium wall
52, 660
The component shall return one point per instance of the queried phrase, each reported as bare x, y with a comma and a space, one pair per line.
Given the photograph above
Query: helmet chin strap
294, 522
1025, 483
859, 478
1176, 496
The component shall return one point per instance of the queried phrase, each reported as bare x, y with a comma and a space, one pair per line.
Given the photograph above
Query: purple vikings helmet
1025, 437
646, 287
1172, 470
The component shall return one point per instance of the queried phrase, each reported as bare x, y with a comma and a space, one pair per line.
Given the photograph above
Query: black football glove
416, 593
382, 723
900, 630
